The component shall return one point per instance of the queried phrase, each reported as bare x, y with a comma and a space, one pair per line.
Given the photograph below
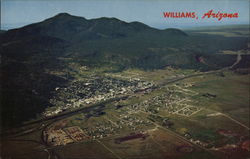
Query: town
92, 90
98, 124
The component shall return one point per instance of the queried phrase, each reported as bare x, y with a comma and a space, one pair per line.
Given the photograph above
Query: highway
88, 108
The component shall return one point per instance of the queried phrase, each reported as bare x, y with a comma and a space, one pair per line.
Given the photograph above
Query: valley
180, 112
116, 90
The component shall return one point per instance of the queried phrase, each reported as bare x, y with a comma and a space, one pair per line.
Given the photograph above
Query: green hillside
30, 53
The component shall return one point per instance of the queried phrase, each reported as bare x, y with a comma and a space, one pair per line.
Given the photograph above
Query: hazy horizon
18, 13
19, 25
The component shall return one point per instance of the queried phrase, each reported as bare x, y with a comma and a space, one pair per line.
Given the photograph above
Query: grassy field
232, 94
226, 31
225, 109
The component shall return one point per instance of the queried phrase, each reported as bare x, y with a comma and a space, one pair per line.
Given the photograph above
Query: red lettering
236, 15
219, 15
208, 14
166, 14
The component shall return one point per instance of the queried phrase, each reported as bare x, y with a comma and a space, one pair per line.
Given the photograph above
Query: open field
205, 116
226, 31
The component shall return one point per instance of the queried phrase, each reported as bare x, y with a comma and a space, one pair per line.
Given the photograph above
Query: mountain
2, 31
30, 54
73, 28
109, 39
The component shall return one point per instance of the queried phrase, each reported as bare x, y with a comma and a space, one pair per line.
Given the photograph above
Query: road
229, 117
96, 105
238, 59
175, 134
60, 116
41, 124
108, 149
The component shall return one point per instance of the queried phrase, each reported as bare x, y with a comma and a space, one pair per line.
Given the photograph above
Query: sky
17, 13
